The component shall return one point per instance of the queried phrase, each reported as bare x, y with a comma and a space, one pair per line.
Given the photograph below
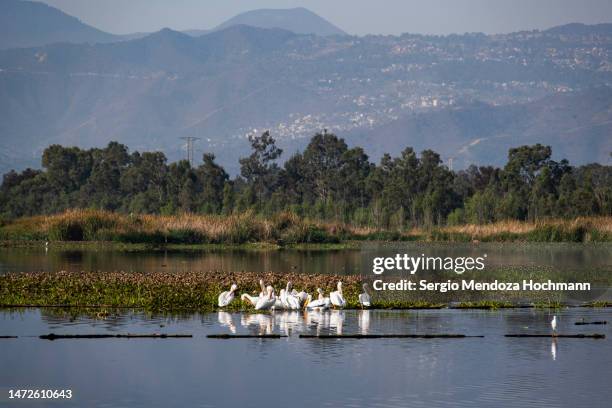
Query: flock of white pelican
290, 299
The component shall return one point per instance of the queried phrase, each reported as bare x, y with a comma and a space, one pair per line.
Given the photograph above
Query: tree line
327, 181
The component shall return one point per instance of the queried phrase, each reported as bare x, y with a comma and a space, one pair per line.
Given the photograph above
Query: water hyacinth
153, 291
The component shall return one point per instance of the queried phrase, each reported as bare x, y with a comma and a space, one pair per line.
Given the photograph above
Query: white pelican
282, 295
288, 299
336, 297
279, 302
267, 301
245, 297
321, 303
226, 298
302, 296
253, 299
553, 324
364, 298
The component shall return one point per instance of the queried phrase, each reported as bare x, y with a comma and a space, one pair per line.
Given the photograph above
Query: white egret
225, 298
364, 298
553, 324
337, 298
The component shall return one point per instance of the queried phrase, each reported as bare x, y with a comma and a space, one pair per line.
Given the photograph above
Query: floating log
585, 323
245, 336
53, 336
8, 337
565, 336
385, 336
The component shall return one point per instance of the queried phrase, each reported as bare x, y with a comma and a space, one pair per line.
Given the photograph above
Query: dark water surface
566, 257
493, 371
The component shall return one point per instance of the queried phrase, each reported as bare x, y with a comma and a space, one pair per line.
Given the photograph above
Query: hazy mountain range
31, 24
470, 96
28, 24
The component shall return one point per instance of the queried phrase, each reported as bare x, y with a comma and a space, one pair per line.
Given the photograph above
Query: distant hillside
29, 24
581, 29
577, 125
298, 20
467, 96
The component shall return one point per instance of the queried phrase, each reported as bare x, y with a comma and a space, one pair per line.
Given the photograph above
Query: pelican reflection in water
364, 321
336, 320
288, 321
225, 320
262, 323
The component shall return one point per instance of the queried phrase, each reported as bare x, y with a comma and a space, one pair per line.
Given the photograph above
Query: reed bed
283, 229
97, 225
581, 229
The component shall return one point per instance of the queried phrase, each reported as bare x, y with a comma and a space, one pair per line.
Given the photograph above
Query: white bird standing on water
248, 298
302, 296
364, 298
337, 298
267, 301
290, 300
553, 324
225, 298
253, 299
321, 303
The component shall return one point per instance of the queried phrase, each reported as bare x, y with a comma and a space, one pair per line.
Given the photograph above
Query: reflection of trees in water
339, 262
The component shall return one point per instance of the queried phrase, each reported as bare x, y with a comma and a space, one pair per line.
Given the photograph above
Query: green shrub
186, 236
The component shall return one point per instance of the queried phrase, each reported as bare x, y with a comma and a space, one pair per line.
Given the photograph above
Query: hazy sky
354, 16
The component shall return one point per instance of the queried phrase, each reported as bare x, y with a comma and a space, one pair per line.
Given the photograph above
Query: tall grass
97, 225
284, 228
581, 229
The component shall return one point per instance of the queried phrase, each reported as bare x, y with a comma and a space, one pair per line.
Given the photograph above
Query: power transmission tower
450, 163
189, 147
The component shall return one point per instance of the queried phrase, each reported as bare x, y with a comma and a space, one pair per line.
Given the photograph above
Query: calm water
493, 371
474, 372
565, 257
